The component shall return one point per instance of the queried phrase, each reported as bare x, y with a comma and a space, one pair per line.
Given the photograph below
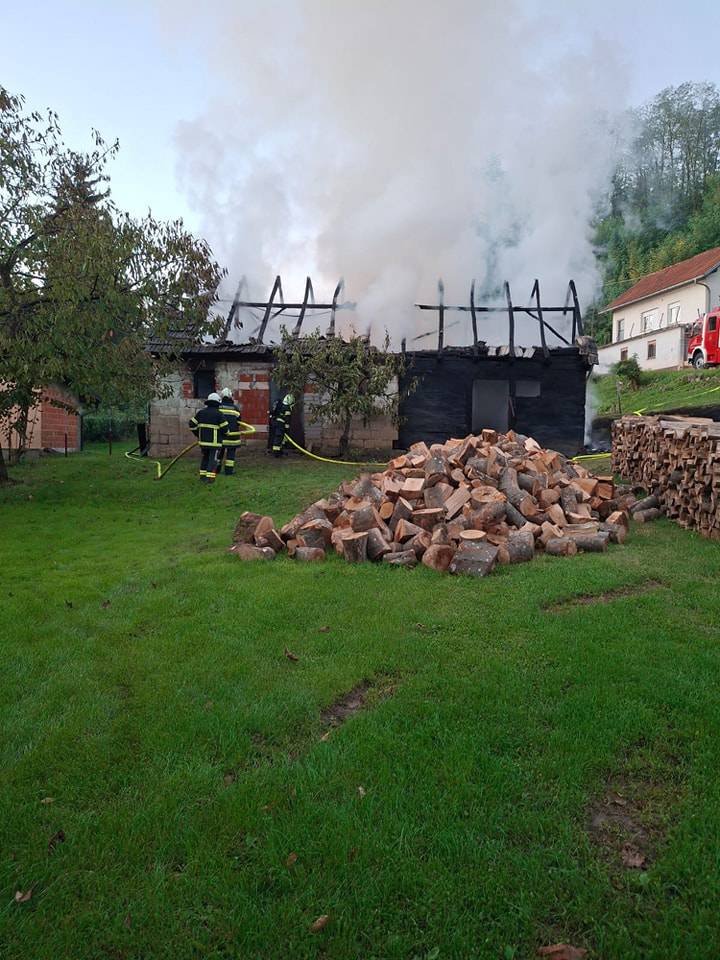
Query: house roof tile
687, 270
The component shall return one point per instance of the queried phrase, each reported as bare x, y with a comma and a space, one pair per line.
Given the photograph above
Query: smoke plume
396, 141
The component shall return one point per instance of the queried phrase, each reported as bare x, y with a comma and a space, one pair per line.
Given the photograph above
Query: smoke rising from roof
395, 141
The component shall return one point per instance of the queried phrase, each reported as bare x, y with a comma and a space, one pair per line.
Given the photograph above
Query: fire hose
344, 463
161, 471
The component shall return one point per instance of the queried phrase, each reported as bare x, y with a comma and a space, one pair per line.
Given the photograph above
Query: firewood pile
677, 459
461, 506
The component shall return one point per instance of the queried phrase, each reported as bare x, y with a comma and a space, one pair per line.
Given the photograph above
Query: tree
350, 378
629, 371
83, 286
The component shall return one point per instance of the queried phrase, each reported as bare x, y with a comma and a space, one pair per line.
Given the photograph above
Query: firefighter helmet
226, 393
289, 399
213, 398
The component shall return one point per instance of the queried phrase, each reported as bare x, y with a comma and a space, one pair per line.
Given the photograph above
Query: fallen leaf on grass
291, 860
105, 604
325, 737
562, 951
290, 655
323, 629
47, 800
55, 839
320, 924
631, 857
361, 791
23, 896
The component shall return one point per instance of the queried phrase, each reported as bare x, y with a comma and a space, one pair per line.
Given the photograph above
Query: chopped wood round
473, 534
521, 547
561, 547
363, 519
355, 547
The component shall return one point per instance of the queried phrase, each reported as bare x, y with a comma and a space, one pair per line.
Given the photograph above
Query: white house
652, 319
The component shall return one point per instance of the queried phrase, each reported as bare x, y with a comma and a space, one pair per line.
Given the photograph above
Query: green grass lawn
665, 390
144, 689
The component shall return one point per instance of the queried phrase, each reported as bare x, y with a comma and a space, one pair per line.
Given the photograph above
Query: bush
97, 424
629, 371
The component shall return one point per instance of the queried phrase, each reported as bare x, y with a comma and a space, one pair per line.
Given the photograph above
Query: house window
673, 313
621, 329
651, 349
203, 383
649, 321
623, 354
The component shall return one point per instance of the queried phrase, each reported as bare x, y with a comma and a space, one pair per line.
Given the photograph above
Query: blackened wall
441, 405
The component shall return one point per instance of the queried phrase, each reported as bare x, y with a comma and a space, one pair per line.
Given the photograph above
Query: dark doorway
203, 383
297, 423
490, 405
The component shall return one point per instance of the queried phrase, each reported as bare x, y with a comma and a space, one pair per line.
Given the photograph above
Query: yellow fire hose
131, 455
344, 463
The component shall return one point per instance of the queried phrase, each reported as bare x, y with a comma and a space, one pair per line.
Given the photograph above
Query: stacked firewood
461, 506
677, 459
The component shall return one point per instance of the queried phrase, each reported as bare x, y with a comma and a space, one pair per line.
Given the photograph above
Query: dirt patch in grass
365, 694
628, 821
587, 599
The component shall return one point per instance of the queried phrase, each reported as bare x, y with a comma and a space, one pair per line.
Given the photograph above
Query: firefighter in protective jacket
233, 437
280, 423
210, 427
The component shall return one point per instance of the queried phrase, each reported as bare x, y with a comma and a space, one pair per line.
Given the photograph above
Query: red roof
692, 269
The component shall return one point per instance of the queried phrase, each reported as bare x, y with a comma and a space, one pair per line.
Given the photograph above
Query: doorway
491, 405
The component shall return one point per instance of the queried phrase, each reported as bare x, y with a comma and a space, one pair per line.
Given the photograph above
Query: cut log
514, 517
403, 511
438, 556
413, 488
405, 558
355, 547
309, 554
419, 543
316, 533
427, 518
644, 516
473, 535
377, 545
386, 509
271, 539
649, 503
246, 551
489, 515
246, 526
556, 515
619, 516
435, 471
474, 559
405, 531
561, 547
455, 503
618, 532
548, 532
591, 542
440, 534
521, 547
363, 519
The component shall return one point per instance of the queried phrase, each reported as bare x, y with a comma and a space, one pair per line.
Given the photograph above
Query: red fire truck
703, 348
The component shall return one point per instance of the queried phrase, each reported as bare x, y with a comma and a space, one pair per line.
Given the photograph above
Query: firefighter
233, 437
210, 427
280, 423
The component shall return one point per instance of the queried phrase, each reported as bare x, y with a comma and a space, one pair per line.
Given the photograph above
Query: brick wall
56, 422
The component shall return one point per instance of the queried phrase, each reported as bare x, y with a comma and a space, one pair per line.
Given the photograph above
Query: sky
155, 73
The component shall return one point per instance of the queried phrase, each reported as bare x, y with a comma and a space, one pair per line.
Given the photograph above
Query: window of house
673, 313
203, 383
651, 349
621, 329
649, 320
623, 354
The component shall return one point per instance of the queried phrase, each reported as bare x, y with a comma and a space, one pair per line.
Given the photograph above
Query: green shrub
97, 424
629, 371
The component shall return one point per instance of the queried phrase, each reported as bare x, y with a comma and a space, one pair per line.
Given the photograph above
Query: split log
561, 547
363, 519
355, 547
271, 539
403, 511
440, 534
521, 547
316, 533
474, 559
246, 526
420, 543
427, 518
456, 501
617, 531
377, 545
405, 531
438, 556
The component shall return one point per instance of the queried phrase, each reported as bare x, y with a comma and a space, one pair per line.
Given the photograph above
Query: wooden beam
307, 298
441, 315
541, 323
511, 320
277, 288
473, 313
333, 308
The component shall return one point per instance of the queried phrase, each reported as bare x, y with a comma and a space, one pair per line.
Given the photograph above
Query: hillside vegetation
664, 390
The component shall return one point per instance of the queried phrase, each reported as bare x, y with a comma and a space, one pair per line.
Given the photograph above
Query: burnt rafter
276, 306
535, 310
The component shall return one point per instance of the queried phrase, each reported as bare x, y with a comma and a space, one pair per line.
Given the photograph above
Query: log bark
561, 547
644, 516
377, 545
438, 556
363, 519
405, 558
355, 547
309, 554
521, 547
474, 559
591, 542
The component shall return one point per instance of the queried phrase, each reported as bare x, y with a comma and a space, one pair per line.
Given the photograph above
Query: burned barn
446, 391
538, 391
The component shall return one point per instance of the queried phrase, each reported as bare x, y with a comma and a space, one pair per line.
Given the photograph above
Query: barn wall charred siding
545, 399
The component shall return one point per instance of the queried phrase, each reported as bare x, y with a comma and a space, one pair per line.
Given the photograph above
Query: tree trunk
345, 437
4, 478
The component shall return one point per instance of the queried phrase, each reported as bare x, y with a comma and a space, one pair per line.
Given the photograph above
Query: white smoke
396, 141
